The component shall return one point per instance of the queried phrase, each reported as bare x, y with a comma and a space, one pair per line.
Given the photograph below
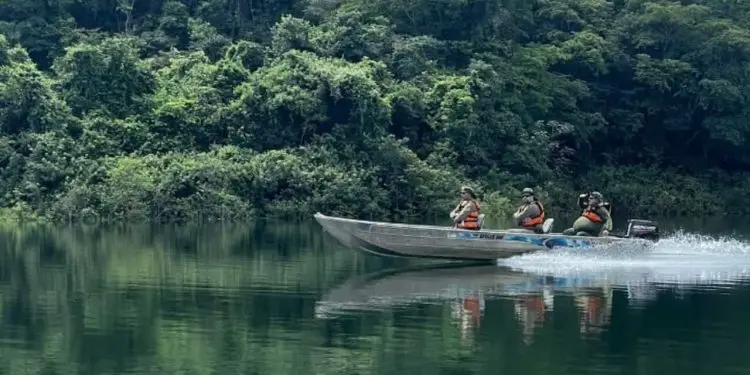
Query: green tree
378, 109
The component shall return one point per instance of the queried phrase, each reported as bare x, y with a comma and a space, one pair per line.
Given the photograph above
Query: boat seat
547, 225
520, 230
546, 228
480, 221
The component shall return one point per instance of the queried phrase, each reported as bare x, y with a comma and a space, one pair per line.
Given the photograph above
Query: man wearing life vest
595, 219
530, 215
466, 214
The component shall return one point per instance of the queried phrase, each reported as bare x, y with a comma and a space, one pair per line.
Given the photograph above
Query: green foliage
107, 76
231, 183
378, 109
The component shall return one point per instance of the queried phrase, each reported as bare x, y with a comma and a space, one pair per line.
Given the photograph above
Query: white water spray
681, 258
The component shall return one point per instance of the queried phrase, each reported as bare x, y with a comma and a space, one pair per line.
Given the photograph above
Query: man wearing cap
530, 215
466, 214
595, 219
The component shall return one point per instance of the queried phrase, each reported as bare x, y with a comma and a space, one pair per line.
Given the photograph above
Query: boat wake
682, 258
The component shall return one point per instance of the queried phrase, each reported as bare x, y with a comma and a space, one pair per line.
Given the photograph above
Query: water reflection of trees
168, 299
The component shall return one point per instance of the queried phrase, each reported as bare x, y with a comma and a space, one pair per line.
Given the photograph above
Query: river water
283, 298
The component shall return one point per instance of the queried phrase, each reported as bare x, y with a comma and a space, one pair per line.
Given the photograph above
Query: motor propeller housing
646, 229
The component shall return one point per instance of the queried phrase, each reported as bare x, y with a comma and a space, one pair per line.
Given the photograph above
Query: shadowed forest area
228, 109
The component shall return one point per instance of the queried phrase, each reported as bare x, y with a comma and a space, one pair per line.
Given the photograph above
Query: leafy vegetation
218, 109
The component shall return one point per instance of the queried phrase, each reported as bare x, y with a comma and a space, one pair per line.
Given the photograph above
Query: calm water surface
275, 298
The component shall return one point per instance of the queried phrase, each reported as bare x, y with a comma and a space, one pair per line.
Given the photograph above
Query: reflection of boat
429, 241
596, 311
465, 290
422, 284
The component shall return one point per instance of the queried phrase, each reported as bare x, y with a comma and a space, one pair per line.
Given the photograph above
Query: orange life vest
471, 303
591, 215
472, 220
473, 306
532, 222
534, 302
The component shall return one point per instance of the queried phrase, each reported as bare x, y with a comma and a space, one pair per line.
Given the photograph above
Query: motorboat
450, 243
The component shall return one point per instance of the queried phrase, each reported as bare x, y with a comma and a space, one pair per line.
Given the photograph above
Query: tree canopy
134, 109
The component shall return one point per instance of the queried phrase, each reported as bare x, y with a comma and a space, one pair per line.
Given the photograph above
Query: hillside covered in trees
148, 109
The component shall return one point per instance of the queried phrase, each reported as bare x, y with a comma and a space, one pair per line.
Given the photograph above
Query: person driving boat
595, 219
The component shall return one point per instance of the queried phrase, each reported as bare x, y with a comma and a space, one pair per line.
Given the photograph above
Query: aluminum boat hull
436, 242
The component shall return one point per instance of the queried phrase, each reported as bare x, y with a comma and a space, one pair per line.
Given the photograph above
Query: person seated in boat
595, 220
466, 214
530, 215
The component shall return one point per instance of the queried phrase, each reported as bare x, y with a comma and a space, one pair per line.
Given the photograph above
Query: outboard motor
646, 229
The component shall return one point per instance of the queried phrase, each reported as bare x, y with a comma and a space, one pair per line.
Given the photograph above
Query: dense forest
229, 109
